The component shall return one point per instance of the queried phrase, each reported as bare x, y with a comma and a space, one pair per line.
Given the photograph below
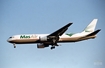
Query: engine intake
40, 45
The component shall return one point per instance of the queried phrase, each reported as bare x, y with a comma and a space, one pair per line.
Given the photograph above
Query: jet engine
40, 45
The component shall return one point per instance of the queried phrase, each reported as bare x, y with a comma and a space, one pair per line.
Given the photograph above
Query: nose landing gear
14, 45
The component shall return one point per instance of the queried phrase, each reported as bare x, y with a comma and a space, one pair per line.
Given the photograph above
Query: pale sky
46, 16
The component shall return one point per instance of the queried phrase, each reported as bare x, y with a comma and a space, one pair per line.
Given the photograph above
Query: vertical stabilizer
91, 26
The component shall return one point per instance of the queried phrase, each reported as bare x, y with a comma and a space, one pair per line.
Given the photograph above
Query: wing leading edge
60, 31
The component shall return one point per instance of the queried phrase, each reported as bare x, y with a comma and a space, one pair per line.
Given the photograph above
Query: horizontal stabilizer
94, 33
91, 34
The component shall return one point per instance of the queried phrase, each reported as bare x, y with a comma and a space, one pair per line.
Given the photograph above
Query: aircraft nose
9, 40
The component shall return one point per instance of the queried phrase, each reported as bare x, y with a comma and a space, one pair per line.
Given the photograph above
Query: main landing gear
14, 45
53, 47
54, 44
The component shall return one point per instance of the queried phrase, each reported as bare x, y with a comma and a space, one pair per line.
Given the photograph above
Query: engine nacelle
43, 38
40, 45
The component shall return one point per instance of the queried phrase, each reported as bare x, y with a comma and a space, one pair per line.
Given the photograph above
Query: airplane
59, 36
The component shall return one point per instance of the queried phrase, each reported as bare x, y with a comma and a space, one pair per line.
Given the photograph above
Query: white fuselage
35, 38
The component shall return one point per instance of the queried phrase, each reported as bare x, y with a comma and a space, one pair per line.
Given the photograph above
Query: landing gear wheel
14, 45
54, 41
52, 48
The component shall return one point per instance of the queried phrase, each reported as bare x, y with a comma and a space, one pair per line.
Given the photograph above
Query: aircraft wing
60, 31
54, 37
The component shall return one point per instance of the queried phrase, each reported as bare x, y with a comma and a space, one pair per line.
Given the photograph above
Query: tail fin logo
87, 29
91, 26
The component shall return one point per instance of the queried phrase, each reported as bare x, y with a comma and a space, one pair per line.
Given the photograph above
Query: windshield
11, 37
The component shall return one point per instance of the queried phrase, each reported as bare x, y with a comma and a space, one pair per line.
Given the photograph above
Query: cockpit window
10, 37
